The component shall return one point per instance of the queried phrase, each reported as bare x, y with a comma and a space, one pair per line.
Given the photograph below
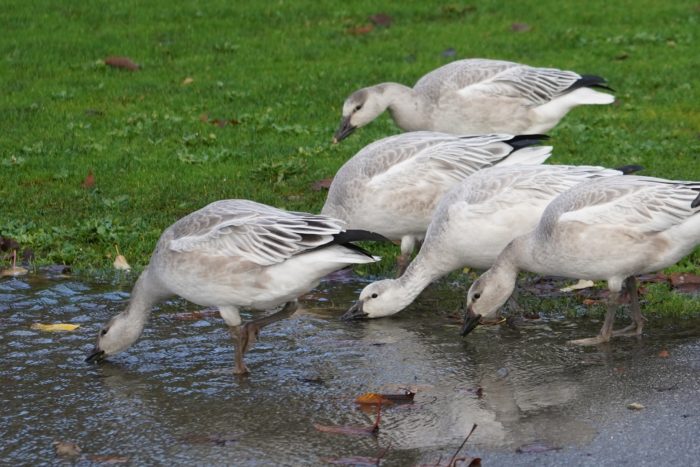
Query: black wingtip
591, 81
696, 202
358, 235
630, 169
523, 141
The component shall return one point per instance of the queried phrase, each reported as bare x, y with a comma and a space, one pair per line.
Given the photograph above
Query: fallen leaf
374, 398
535, 447
581, 284
381, 20
360, 30
187, 81
520, 27
635, 406
353, 429
622, 56
89, 181
108, 459
66, 448
14, 271
121, 62
590, 301
323, 184
120, 262
449, 52
203, 118
664, 354
55, 327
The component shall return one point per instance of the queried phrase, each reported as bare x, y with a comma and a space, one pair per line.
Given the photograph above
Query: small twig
375, 429
454, 456
116, 247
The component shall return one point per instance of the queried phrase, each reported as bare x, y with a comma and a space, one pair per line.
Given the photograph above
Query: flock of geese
466, 180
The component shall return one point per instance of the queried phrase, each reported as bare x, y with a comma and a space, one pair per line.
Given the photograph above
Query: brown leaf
353, 430
108, 459
204, 117
684, 278
381, 20
322, 184
373, 398
89, 181
590, 301
360, 30
66, 448
121, 62
664, 354
535, 447
520, 27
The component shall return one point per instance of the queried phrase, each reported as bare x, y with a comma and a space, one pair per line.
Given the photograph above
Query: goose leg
245, 336
606, 331
634, 329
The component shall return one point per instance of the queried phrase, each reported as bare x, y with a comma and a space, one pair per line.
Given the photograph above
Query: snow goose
476, 96
232, 254
609, 229
393, 185
472, 224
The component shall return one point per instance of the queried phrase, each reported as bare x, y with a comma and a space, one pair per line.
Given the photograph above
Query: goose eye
476, 296
359, 106
103, 332
374, 295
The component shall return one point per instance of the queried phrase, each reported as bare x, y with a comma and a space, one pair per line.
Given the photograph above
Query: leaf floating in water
55, 327
635, 406
372, 398
218, 439
537, 446
122, 62
14, 271
108, 459
664, 354
353, 429
66, 449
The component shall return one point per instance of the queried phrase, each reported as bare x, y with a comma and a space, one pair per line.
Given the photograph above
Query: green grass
282, 69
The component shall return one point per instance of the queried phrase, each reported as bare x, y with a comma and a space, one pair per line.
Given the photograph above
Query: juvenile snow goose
610, 229
472, 224
476, 96
233, 254
393, 185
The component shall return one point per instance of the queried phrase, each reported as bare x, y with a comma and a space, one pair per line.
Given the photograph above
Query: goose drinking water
610, 229
233, 254
476, 96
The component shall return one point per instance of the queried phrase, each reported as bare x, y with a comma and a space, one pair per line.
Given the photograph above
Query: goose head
378, 299
117, 335
360, 108
486, 296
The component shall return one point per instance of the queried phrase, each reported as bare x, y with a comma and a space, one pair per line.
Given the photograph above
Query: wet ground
172, 398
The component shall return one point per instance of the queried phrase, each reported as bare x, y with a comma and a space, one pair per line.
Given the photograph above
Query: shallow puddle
172, 397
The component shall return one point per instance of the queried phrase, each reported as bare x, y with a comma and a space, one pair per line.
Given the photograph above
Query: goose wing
445, 161
252, 231
536, 85
649, 204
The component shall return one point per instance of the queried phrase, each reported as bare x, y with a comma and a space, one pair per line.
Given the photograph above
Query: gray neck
407, 107
146, 293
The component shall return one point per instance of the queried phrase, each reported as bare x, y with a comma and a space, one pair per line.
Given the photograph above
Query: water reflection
173, 395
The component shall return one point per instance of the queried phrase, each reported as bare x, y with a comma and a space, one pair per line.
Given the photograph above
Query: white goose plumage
472, 224
393, 185
476, 96
609, 229
232, 254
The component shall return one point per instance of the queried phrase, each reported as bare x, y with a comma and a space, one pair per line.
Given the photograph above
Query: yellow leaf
370, 398
121, 264
187, 81
55, 327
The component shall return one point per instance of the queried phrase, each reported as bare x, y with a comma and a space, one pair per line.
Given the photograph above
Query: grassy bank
240, 100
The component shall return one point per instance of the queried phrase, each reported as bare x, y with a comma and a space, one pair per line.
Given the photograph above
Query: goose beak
95, 356
471, 320
344, 130
354, 312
